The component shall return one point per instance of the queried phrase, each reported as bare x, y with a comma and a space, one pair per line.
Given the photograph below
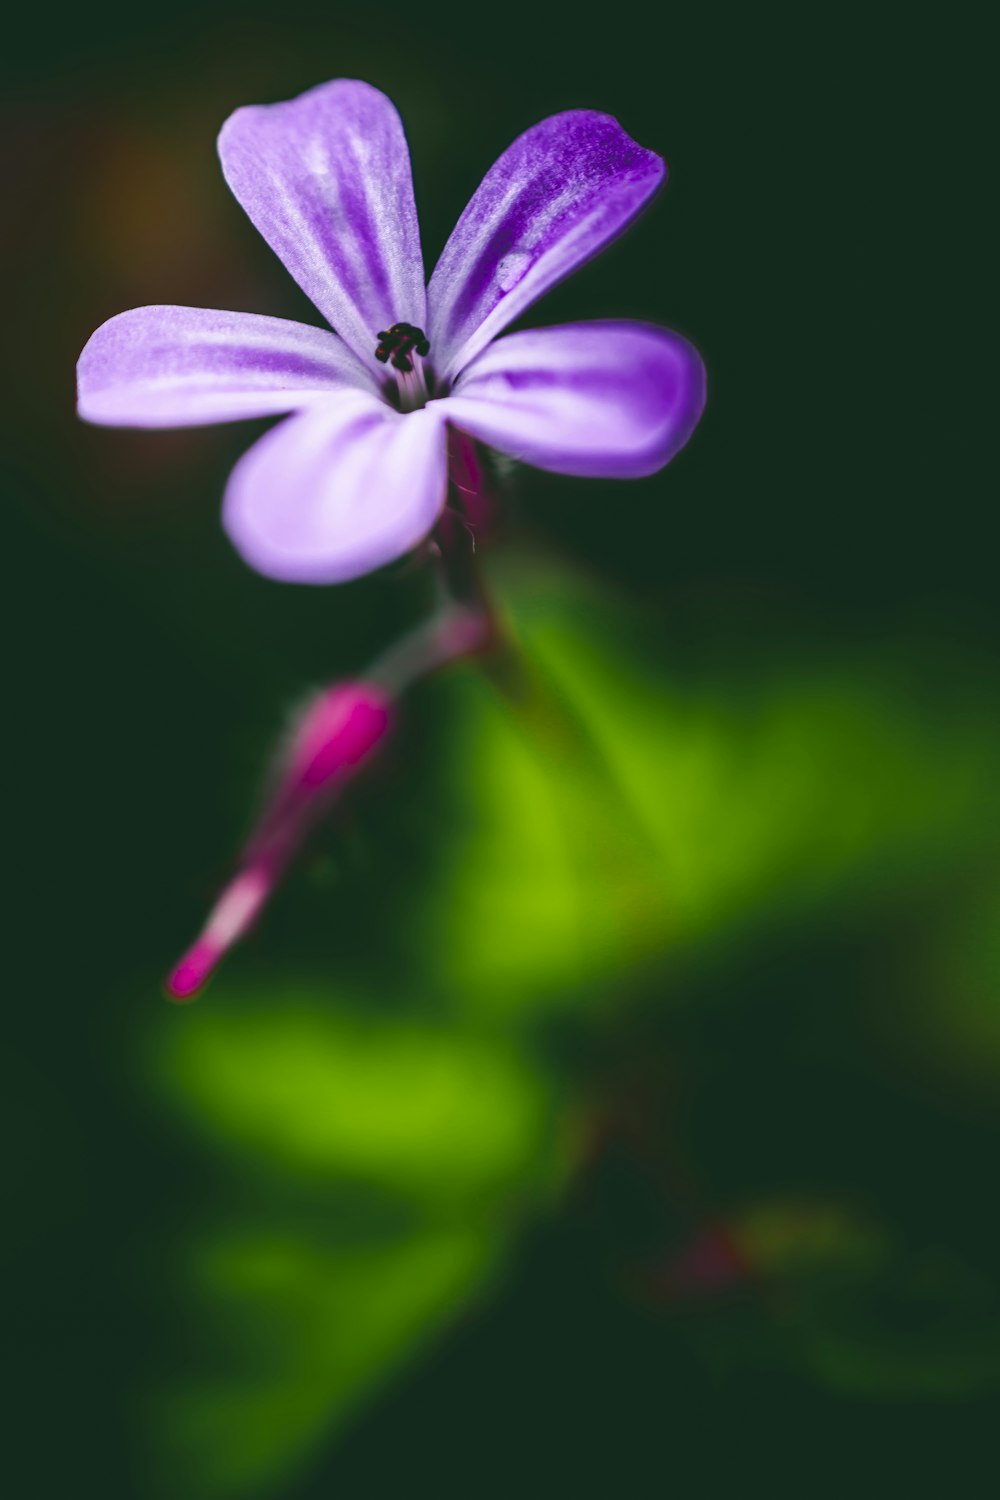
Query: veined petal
611, 400
326, 180
338, 490
188, 366
563, 190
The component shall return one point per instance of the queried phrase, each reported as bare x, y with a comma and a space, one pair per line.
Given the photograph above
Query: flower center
404, 347
397, 344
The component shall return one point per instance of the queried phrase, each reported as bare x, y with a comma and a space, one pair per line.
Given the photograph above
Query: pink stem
339, 735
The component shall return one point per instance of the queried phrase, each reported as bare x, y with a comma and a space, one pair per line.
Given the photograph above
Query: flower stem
464, 623
340, 732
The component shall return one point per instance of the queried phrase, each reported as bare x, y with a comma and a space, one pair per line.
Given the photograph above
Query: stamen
397, 345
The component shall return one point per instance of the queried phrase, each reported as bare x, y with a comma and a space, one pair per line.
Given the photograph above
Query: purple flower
358, 473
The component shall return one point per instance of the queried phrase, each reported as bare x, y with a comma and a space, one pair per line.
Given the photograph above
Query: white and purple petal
338, 490
326, 180
557, 195
607, 400
189, 366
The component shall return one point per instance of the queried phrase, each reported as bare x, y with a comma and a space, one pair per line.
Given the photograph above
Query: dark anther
397, 343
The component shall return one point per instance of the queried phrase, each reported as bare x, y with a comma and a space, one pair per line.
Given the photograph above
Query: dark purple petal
187, 366
555, 197
338, 490
326, 179
611, 400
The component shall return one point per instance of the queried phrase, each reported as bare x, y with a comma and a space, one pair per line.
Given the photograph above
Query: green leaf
374, 1146
298, 1334
299, 1082
612, 810
368, 1172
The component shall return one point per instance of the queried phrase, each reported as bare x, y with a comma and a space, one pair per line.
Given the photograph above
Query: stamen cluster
397, 343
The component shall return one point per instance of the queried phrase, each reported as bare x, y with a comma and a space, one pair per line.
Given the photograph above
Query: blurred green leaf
300, 1083
611, 810
372, 1169
840, 1298
375, 1152
308, 1331
954, 997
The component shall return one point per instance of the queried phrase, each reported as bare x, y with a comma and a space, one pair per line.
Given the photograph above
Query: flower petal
187, 366
338, 490
611, 400
326, 179
556, 196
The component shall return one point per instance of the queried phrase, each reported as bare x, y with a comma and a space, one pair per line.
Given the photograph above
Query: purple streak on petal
556, 196
326, 179
187, 366
338, 490
612, 400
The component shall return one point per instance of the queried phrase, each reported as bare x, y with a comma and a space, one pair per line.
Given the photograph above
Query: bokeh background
608, 1103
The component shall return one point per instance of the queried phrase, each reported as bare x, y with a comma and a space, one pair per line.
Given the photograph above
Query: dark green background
829, 522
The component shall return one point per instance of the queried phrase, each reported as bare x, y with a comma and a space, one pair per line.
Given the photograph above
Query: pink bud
339, 731
334, 738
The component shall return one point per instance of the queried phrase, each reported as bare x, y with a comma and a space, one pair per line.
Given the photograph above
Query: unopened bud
334, 738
